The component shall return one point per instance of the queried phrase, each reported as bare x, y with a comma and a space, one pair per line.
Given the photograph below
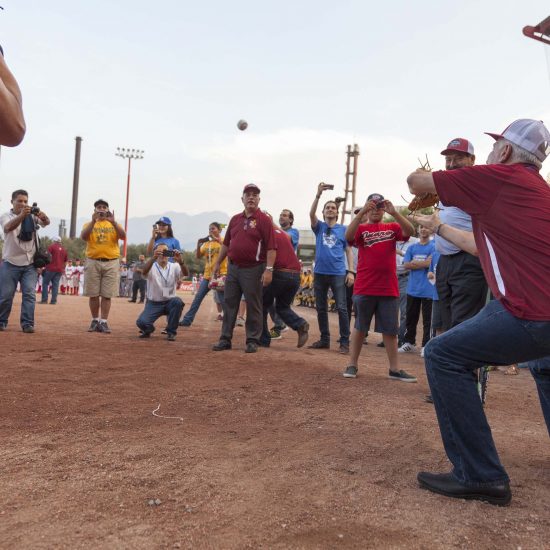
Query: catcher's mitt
425, 200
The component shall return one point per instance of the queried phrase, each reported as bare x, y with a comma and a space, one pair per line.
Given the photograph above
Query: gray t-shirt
138, 276
453, 216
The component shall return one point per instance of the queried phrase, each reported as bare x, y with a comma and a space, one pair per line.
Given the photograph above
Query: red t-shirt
510, 209
59, 258
249, 239
286, 257
376, 265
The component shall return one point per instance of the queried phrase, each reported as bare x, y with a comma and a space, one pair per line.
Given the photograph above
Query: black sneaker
303, 334
319, 345
222, 345
344, 349
93, 325
350, 372
103, 326
144, 334
171, 337
164, 331
402, 376
381, 345
28, 329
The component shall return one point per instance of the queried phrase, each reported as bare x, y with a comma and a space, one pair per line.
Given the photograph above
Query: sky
399, 78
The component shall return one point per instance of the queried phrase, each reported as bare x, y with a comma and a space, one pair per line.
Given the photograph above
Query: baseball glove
425, 200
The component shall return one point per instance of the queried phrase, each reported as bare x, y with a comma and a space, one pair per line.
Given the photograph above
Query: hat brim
496, 137
448, 151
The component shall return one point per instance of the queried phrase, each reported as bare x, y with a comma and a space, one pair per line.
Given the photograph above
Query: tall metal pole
128, 154
76, 177
126, 213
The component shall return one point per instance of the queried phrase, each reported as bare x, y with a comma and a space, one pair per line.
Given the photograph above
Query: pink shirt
510, 209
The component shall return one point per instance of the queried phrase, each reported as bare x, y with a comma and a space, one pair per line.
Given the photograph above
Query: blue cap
164, 220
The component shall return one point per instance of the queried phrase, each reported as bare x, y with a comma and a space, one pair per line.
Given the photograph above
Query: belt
403, 275
287, 270
103, 259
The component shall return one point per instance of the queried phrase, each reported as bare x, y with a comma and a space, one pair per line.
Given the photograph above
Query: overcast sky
400, 78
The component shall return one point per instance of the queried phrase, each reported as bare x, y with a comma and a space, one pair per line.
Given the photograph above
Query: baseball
242, 125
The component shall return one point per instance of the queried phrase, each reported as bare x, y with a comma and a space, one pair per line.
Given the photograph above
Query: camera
34, 209
103, 214
169, 253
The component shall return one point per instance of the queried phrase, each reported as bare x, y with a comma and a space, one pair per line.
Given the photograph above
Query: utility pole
352, 156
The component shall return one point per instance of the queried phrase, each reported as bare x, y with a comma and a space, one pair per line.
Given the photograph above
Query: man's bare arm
12, 121
421, 181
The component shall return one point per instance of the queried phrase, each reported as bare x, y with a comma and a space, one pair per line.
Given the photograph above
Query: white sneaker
407, 348
422, 352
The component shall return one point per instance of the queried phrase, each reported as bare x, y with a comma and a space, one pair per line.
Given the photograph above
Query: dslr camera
169, 253
34, 209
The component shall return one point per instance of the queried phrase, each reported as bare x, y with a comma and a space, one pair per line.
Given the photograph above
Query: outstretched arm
12, 121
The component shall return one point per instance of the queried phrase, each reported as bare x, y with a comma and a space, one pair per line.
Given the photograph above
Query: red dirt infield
270, 450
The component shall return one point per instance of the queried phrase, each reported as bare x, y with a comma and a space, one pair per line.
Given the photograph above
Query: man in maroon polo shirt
250, 246
53, 271
509, 203
283, 288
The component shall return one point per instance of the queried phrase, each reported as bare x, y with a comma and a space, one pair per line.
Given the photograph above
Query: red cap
251, 187
459, 145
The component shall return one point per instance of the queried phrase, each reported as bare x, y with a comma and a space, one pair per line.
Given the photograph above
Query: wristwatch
268, 268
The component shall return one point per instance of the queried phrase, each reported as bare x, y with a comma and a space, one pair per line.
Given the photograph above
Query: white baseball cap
531, 135
56, 239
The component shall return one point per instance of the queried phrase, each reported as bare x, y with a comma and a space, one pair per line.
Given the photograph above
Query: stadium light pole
130, 154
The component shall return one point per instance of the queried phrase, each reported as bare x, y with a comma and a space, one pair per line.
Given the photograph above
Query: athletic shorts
101, 278
385, 310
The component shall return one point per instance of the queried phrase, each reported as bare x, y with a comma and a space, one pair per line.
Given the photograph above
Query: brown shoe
344, 349
319, 345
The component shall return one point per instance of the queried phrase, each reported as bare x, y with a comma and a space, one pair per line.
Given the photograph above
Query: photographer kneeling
162, 279
20, 247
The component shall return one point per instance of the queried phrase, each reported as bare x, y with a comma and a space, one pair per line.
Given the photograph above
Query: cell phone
169, 253
155, 227
329, 186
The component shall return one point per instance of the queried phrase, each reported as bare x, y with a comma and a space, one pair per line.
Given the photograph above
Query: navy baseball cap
101, 201
164, 220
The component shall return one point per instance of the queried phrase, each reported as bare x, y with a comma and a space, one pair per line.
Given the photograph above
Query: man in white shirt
19, 225
162, 279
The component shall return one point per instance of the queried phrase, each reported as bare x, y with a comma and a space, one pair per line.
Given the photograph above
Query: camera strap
165, 279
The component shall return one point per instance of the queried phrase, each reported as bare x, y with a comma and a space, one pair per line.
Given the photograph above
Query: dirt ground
272, 450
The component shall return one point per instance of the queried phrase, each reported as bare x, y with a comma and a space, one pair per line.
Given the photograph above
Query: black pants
413, 314
247, 281
281, 292
141, 286
461, 288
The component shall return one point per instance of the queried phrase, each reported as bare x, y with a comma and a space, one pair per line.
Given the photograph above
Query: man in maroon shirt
53, 271
251, 248
510, 207
283, 288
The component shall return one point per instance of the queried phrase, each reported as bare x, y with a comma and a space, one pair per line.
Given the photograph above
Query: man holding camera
102, 263
162, 279
20, 246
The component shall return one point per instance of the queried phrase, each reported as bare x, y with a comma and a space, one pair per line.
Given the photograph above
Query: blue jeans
321, 284
202, 291
493, 337
281, 292
10, 275
153, 310
402, 280
52, 277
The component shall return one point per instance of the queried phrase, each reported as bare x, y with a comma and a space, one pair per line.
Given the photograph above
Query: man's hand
178, 257
323, 187
430, 221
42, 216
389, 208
110, 217
267, 277
350, 279
157, 253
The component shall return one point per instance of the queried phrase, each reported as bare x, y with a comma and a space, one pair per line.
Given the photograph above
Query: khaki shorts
101, 278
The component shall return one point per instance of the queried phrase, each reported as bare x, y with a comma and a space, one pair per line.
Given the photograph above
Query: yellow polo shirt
103, 241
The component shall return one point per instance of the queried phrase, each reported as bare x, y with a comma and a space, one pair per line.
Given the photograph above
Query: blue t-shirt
171, 242
294, 237
418, 285
330, 247
433, 269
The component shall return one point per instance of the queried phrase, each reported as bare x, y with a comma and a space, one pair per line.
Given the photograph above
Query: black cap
101, 201
376, 197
